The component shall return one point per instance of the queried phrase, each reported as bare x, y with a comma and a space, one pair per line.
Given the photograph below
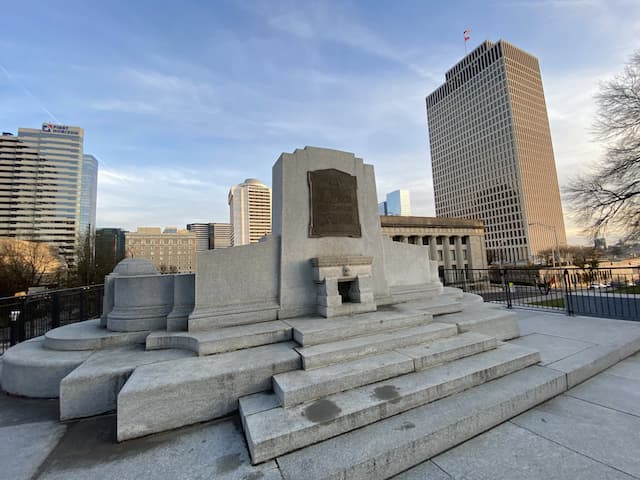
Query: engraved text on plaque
333, 202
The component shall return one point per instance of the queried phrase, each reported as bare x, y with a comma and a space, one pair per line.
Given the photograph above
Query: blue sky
181, 100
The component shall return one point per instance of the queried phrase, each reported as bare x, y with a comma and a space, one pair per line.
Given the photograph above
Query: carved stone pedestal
344, 285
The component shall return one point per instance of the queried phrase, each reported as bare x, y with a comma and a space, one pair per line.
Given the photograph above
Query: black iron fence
603, 292
22, 318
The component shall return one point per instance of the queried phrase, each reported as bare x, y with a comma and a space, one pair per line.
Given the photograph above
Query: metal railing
23, 318
603, 292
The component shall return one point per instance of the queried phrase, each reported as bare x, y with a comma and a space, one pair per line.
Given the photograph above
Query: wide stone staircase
359, 396
358, 371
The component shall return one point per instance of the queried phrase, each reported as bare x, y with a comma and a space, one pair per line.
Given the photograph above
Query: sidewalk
590, 432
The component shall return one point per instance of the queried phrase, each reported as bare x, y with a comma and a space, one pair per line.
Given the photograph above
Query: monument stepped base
393, 445
281, 430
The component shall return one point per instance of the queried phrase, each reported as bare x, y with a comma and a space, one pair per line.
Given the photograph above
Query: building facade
456, 243
110, 248
88, 195
171, 250
47, 188
219, 235
491, 152
249, 211
398, 203
202, 235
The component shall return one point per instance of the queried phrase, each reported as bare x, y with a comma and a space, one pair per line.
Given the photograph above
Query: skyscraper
46, 193
398, 203
110, 248
219, 235
202, 235
250, 211
491, 151
88, 195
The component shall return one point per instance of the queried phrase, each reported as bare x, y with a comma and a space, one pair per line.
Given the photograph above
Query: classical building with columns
456, 243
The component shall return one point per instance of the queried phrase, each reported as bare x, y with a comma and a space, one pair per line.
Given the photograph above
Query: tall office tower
398, 203
250, 211
42, 181
110, 248
88, 196
491, 151
219, 235
202, 235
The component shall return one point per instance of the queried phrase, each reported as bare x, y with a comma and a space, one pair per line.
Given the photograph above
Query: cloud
157, 196
123, 106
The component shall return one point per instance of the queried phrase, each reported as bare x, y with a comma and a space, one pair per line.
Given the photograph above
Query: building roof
411, 221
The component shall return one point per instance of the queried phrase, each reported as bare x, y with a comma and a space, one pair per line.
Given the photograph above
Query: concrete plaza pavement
592, 431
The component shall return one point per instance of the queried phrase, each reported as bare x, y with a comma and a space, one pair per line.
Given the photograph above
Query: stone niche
344, 285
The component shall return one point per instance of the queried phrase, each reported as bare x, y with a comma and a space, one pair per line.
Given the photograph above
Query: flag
466, 34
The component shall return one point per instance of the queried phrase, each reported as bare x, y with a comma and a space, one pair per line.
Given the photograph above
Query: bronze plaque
333, 204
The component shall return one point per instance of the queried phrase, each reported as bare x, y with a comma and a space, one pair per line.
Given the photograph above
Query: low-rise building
456, 243
171, 250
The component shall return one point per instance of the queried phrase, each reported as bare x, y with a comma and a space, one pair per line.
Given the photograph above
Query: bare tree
25, 264
608, 196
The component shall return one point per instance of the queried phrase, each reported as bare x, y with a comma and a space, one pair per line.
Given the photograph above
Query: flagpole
465, 37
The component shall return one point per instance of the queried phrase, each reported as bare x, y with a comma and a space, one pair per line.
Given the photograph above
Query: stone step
222, 340
92, 388
439, 305
453, 292
448, 349
317, 356
314, 331
277, 431
388, 447
495, 322
89, 335
30, 370
168, 395
471, 299
302, 386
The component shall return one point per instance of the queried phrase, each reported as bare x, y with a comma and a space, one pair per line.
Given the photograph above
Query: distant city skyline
48, 188
173, 131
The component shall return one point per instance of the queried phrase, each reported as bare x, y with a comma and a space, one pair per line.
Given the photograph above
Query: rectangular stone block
300, 386
92, 388
329, 353
448, 349
587, 363
183, 392
313, 330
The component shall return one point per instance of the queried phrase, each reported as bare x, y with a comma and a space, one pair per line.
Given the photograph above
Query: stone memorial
318, 334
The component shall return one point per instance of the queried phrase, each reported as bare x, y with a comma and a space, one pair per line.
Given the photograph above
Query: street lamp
555, 235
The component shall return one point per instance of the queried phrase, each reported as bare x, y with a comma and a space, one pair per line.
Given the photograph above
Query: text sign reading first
53, 128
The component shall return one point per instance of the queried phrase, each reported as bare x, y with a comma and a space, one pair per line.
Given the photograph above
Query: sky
181, 100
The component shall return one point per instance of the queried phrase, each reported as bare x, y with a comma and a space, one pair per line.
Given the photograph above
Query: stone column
433, 248
459, 254
446, 253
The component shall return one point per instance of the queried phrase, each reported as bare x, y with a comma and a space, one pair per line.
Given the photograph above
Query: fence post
16, 323
506, 286
82, 304
55, 310
566, 280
